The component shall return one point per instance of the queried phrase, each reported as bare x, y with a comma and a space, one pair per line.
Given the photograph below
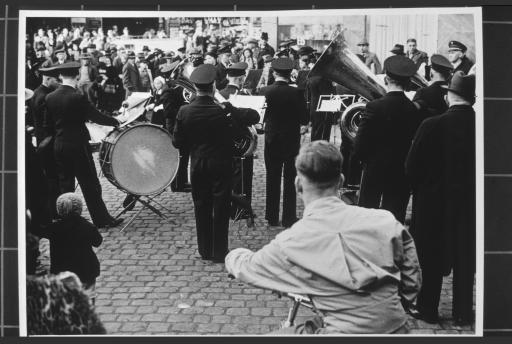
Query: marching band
191, 96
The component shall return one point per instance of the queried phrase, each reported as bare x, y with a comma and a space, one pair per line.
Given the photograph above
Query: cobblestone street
153, 282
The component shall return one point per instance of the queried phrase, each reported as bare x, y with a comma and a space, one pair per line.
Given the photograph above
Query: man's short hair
411, 40
320, 162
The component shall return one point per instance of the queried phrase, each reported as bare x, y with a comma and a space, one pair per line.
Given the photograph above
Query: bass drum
139, 158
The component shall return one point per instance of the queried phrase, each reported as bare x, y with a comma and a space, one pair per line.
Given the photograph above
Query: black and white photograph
283, 173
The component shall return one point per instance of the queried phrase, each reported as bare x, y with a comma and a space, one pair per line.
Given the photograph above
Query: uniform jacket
71, 242
418, 57
385, 133
286, 112
431, 99
37, 107
441, 168
221, 80
131, 78
204, 128
465, 65
358, 265
69, 110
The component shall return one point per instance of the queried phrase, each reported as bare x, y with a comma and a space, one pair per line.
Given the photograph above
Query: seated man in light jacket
359, 266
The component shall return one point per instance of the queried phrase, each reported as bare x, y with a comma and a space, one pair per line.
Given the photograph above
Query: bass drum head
144, 160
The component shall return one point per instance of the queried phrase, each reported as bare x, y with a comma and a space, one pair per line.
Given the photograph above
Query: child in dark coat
71, 240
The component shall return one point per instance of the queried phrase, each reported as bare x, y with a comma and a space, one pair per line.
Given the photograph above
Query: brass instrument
339, 64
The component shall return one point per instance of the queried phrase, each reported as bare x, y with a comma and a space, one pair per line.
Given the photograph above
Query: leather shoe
129, 202
415, 313
112, 223
183, 188
273, 223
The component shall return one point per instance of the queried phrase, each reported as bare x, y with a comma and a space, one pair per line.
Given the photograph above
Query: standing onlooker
441, 168
88, 73
146, 78
131, 76
71, 240
417, 56
370, 59
247, 57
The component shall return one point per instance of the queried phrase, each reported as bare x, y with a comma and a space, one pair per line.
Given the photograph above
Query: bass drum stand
243, 205
146, 203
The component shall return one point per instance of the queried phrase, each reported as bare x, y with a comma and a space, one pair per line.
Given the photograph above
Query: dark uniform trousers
211, 192
379, 191
73, 156
203, 128
383, 139
76, 161
276, 167
286, 112
44, 130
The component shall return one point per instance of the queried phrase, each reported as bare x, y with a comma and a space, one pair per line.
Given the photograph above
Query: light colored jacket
358, 265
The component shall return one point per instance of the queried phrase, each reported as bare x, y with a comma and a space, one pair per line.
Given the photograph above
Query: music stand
243, 205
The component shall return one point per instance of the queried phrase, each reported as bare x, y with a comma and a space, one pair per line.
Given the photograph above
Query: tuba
339, 64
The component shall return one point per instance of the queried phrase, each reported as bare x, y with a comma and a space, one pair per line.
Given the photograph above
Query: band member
430, 100
285, 119
204, 128
370, 59
458, 58
441, 167
236, 77
243, 167
44, 128
37, 104
383, 140
70, 110
321, 122
180, 182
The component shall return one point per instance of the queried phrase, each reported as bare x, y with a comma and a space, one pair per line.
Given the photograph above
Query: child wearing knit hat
71, 240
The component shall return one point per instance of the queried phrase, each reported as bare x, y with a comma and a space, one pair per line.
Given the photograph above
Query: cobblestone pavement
153, 282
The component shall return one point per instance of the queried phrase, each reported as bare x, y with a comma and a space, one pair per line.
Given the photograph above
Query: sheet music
252, 102
97, 132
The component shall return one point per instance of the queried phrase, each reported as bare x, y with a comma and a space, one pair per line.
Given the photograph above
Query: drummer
70, 109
